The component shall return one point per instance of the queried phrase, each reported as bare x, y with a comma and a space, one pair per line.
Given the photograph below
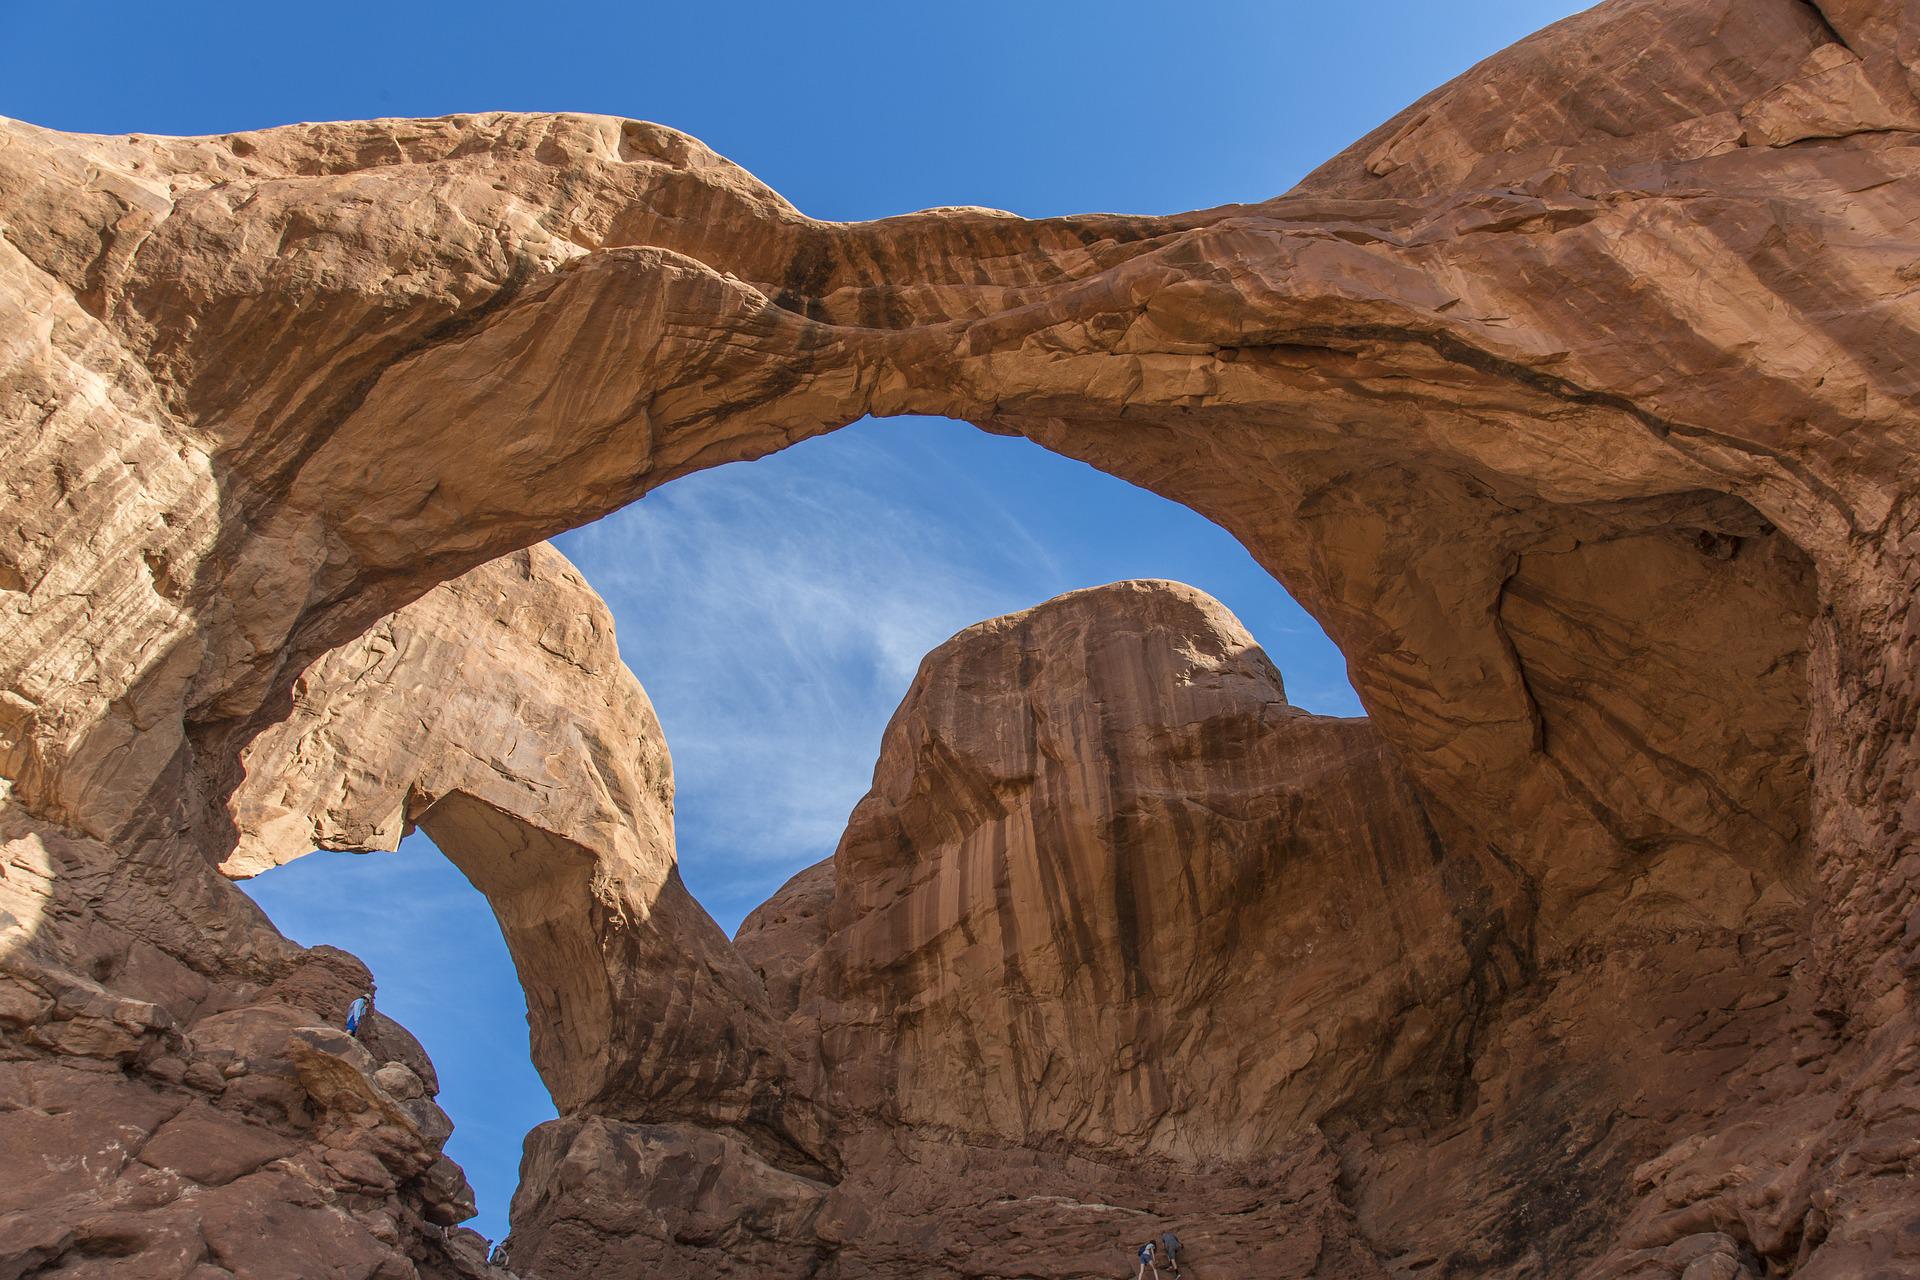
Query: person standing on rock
357, 1012
1146, 1263
1170, 1245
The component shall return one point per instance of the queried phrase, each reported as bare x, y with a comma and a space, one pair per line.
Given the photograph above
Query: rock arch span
264, 390
495, 713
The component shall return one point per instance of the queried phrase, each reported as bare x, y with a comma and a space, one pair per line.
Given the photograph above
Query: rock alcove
1579, 413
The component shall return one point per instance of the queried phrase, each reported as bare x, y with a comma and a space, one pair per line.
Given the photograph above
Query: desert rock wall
495, 713
1577, 402
1117, 911
1104, 859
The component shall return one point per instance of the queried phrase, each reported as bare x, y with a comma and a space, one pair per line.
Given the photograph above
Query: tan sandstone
1576, 402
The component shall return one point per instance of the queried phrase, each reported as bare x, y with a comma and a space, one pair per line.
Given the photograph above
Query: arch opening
1680, 549
444, 971
777, 610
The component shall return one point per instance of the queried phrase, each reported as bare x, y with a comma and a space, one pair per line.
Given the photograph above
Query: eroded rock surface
162, 1121
1114, 927
495, 713
1122, 934
1577, 402
1111, 889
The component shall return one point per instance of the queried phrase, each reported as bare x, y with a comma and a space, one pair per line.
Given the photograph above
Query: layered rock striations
1111, 889
1114, 927
1122, 937
495, 714
1576, 402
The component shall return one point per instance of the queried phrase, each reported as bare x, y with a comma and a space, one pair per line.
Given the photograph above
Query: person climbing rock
1146, 1263
357, 1012
1170, 1245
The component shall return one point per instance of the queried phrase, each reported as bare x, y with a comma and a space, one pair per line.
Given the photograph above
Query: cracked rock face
1576, 402
1102, 858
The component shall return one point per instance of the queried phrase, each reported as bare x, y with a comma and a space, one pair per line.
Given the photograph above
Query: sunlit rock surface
1110, 888
1576, 402
495, 712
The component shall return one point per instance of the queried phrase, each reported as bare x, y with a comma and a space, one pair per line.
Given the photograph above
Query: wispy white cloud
776, 612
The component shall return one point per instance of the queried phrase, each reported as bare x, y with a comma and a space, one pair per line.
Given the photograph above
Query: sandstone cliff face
1113, 905
1110, 889
1577, 402
1114, 927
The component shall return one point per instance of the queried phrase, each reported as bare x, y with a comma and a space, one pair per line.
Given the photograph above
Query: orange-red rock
495, 713
1577, 402
1111, 889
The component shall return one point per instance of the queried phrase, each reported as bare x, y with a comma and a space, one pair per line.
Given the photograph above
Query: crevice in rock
1827, 28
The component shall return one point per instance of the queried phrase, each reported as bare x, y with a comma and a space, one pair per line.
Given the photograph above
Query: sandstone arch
1422, 403
495, 713
263, 390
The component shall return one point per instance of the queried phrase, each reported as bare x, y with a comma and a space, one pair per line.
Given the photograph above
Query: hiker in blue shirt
357, 1012
1170, 1244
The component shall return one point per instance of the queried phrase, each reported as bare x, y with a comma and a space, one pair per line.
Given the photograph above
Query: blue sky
776, 610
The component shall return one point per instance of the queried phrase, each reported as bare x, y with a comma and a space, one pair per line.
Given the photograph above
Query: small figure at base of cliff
1146, 1263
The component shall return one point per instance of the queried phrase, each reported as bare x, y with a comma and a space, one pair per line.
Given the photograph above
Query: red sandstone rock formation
495, 714
1109, 889
1114, 928
1120, 931
1577, 402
